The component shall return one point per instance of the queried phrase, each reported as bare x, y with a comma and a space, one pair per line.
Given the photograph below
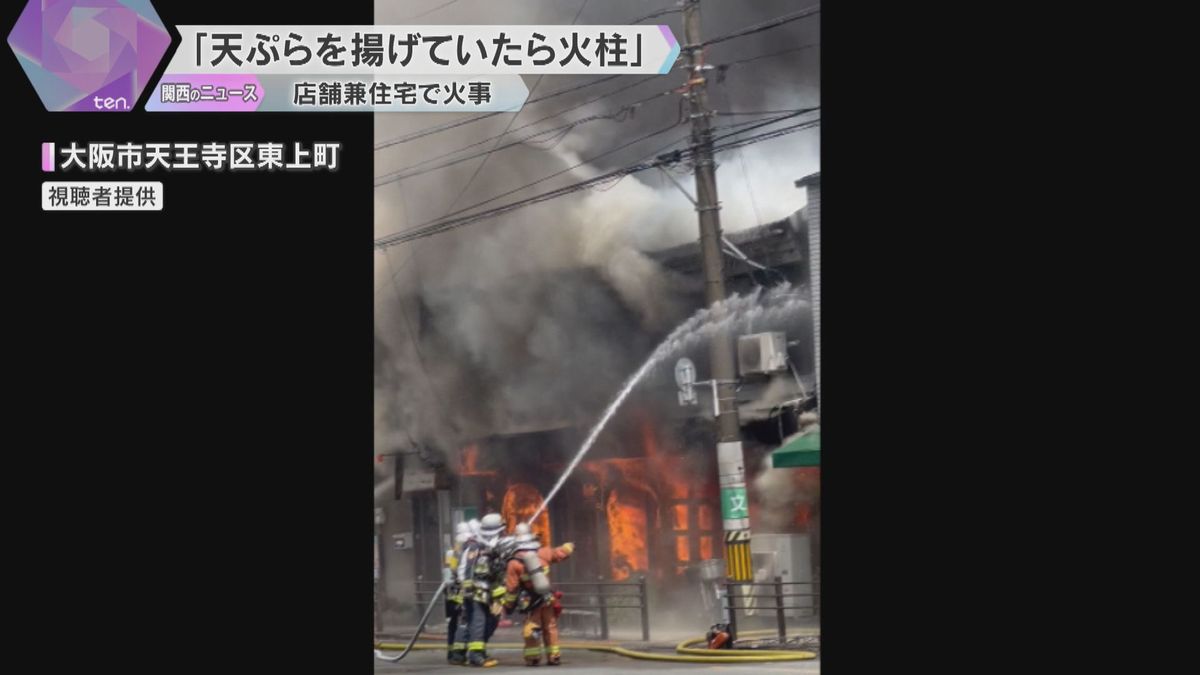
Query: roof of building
810, 179
782, 242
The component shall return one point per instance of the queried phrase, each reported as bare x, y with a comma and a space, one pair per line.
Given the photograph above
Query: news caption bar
393, 68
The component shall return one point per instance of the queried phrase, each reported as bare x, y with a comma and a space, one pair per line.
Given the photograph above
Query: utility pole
735, 516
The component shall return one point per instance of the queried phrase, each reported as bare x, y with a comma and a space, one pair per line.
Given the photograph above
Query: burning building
645, 500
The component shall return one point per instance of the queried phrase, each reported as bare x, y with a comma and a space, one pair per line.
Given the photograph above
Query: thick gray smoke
531, 319
780, 494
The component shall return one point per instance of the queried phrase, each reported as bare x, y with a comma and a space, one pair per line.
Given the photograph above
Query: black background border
189, 393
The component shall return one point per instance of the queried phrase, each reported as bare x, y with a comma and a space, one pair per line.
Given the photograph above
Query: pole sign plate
734, 505
685, 377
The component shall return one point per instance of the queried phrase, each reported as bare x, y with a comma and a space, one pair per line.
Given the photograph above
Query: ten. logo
89, 55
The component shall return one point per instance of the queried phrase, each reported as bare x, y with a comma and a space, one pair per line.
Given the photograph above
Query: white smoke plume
532, 318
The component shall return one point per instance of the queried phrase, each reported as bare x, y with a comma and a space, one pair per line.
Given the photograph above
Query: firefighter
527, 589
505, 549
481, 590
455, 654
466, 532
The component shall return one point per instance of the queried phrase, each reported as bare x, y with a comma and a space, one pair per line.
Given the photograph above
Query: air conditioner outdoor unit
762, 353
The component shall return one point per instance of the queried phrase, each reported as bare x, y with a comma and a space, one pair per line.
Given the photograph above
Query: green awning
804, 450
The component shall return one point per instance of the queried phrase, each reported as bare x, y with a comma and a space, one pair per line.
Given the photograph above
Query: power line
430, 11
619, 114
451, 153
421, 133
412, 170
655, 15
728, 113
452, 125
770, 55
447, 225
506, 128
674, 158
415, 170
729, 245
428, 131
528, 124
480, 166
766, 25
439, 223
443, 225
723, 68
446, 222
749, 188
755, 124
768, 135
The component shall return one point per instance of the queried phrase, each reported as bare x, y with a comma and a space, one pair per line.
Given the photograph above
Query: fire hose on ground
420, 627
685, 652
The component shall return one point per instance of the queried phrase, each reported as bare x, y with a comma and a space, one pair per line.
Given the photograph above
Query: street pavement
578, 660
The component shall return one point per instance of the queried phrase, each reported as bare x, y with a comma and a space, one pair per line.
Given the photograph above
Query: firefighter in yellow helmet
527, 589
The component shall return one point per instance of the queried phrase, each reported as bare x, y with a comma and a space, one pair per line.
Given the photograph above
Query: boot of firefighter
477, 649
476, 620
550, 630
477, 656
480, 659
457, 656
532, 633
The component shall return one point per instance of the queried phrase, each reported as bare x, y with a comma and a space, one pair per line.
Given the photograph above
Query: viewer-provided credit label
102, 196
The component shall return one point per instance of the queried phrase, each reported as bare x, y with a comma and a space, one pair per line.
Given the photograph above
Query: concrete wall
399, 603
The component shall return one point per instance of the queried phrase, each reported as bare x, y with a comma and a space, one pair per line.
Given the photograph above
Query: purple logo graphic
89, 55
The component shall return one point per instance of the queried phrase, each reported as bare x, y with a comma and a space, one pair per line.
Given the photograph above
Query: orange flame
681, 549
626, 511
627, 527
632, 488
680, 519
808, 484
669, 471
520, 502
468, 464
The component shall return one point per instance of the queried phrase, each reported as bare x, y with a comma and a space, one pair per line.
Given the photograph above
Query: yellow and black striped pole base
738, 566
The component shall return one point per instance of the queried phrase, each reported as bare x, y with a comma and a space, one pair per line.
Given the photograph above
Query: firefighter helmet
491, 526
